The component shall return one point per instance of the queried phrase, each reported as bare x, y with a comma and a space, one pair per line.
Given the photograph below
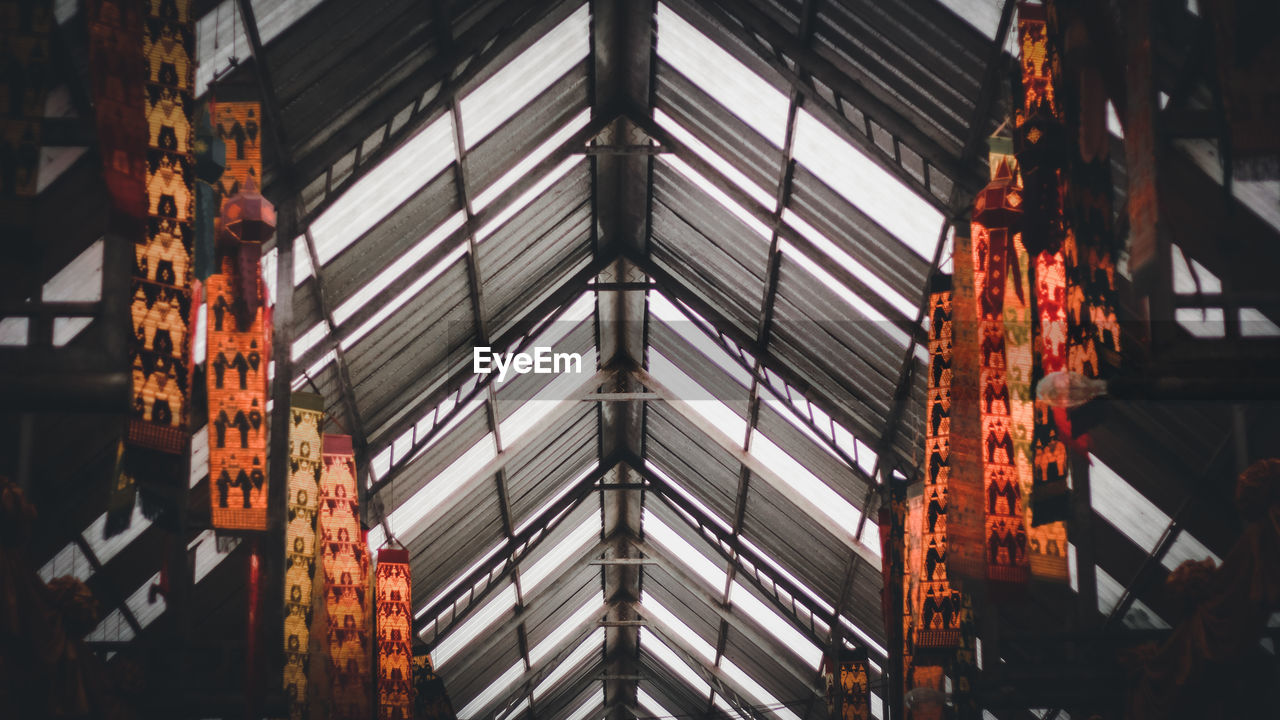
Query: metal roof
464, 173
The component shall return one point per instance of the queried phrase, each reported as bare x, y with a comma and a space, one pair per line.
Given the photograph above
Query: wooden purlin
237, 357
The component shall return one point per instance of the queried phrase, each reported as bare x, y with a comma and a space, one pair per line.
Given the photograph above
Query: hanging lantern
395, 630
247, 216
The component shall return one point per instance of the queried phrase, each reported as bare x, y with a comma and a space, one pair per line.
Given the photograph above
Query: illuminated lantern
247, 216
395, 631
345, 562
306, 417
997, 214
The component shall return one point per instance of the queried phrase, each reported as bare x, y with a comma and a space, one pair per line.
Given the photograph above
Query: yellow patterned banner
162, 260
346, 583
306, 464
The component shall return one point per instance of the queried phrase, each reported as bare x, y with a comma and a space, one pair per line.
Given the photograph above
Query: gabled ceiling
731, 210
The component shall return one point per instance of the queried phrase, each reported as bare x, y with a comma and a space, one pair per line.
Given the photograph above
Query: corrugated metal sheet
703, 468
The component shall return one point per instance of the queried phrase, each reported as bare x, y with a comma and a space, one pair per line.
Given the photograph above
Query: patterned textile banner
850, 699
157, 437
346, 588
115, 54
1042, 161
996, 213
1088, 247
237, 348
430, 701
966, 536
305, 467
1046, 544
395, 631
937, 602
912, 515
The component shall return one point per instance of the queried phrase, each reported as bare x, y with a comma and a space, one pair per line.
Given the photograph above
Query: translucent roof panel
883, 197
220, 33
984, 15
521, 80
383, 188
723, 77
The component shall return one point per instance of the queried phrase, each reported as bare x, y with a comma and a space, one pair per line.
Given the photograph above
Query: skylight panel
405, 296
487, 559
724, 167
842, 516
1254, 324
724, 705
1185, 547
475, 625
554, 395
1190, 277
594, 701
683, 552
701, 400
516, 710
983, 15
688, 496
1124, 507
756, 691
552, 643
1139, 614
722, 76
648, 702
539, 188
383, 188
718, 195
528, 162
870, 188
775, 625
674, 317
671, 660
844, 259
594, 643
398, 267
855, 302
438, 492
776, 568
493, 692
559, 495
525, 77
570, 548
